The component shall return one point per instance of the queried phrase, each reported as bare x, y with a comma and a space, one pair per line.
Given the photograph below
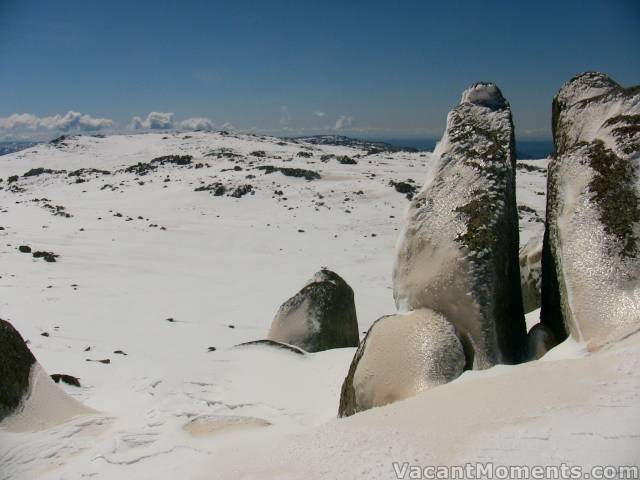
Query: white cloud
319, 114
70, 121
344, 121
197, 123
154, 121
228, 126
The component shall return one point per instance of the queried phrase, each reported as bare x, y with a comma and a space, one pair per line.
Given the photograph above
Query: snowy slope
170, 407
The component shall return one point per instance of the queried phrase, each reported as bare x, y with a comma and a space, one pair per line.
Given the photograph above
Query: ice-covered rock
531, 273
458, 252
401, 356
590, 265
320, 316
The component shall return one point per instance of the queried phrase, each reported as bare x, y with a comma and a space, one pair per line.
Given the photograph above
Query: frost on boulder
401, 356
590, 266
319, 317
458, 252
16, 361
531, 273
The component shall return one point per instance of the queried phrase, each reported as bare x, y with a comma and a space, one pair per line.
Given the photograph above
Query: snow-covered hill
153, 264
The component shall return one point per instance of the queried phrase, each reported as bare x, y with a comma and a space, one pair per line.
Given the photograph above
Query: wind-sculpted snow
458, 252
591, 268
322, 315
29, 398
401, 356
177, 300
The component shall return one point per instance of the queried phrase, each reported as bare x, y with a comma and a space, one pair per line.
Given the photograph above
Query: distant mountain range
10, 147
526, 149
370, 145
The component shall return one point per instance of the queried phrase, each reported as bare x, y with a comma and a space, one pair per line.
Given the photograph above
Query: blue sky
368, 68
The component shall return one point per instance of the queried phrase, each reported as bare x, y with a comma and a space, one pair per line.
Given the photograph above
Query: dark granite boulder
16, 361
321, 316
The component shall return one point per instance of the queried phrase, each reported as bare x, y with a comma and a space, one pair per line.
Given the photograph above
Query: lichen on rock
590, 266
458, 252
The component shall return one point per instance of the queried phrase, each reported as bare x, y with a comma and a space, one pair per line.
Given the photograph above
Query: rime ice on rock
590, 266
321, 316
531, 273
401, 356
458, 252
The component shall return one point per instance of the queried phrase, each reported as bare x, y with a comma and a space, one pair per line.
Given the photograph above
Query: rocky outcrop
531, 273
16, 361
590, 263
458, 252
401, 356
319, 317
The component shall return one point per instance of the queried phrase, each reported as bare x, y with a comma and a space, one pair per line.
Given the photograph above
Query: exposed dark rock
59, 141
16, 361
141, 168
57, 210
319, 317
345, 160
404, 187
241, 191
24, 248
173, 159
291, 172
46, 256
88, 171
217, 189
304, 154
68, 379
530, 168
341, 140
34, 172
